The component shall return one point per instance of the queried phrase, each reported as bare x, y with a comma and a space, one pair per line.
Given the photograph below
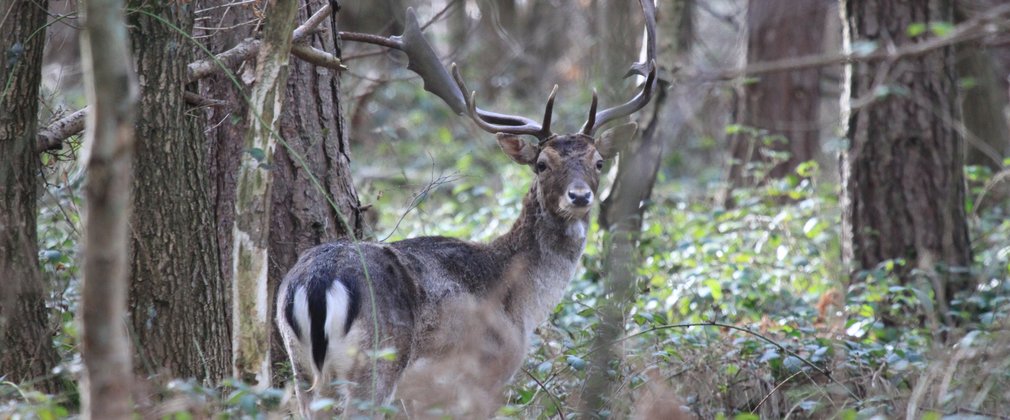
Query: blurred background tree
25, 330
750, 221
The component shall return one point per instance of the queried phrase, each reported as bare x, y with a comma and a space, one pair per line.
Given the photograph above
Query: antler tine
648, 66
548, 111
587, 128
493, 122
627, 108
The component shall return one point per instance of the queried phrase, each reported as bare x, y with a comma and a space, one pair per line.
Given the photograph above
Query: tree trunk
314, 199
902, 182
250, 303
621, 213
781, 108
111, 89
641, 159
25, 331
304, 213
616, 33
178, 300
984, 102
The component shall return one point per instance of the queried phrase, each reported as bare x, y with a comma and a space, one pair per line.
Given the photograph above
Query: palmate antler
423, 61
502, 123
514, 124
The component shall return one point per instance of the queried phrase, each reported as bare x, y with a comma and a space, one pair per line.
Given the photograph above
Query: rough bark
303, 213
25, 332
111, 91
178, 299
782, 107
250, 304
314, 199
902, 182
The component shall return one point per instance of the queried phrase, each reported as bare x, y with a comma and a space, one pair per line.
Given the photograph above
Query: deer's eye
599, 165
541, 166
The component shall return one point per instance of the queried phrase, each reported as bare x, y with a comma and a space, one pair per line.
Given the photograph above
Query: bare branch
318, 57
54, 134
230, 59
310, 24
371, 39
983, 25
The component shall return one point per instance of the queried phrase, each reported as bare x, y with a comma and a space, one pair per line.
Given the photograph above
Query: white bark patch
250, 338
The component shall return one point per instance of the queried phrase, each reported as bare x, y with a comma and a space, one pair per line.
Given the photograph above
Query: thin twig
53, 135
824, 372
561, 410
774, 390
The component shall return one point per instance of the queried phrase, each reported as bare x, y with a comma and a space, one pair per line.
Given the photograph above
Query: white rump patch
337, 303
301, 313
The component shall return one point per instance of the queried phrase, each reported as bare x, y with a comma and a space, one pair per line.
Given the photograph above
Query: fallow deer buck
344, 300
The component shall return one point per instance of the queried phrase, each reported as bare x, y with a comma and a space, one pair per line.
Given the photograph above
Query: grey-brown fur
439, 300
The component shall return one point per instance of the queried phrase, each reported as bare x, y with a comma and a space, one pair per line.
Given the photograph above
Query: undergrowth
741, 312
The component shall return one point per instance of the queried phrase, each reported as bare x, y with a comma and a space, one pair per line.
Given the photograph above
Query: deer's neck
542, 253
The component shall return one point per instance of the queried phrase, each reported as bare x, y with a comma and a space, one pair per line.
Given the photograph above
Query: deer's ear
518, 149
610, 141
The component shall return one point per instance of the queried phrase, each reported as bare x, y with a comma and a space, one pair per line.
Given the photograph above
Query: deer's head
567, 166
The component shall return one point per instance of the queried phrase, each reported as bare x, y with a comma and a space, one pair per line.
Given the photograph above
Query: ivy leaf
257, 154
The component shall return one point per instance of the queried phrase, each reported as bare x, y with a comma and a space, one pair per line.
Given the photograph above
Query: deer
358, 319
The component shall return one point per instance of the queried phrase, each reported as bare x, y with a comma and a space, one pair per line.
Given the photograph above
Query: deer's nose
580, 195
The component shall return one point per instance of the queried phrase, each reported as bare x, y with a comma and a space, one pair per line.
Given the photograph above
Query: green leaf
388, 354
770, 354
792, 363
941, 29
916, 29
715, 288
257, 154
967, 83
576, 362
525, 396
807, 169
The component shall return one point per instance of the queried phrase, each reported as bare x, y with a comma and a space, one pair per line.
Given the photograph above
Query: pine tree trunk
178, 300
782, 107
303, 213
111, 88
306, 213
25, 331
902, 182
